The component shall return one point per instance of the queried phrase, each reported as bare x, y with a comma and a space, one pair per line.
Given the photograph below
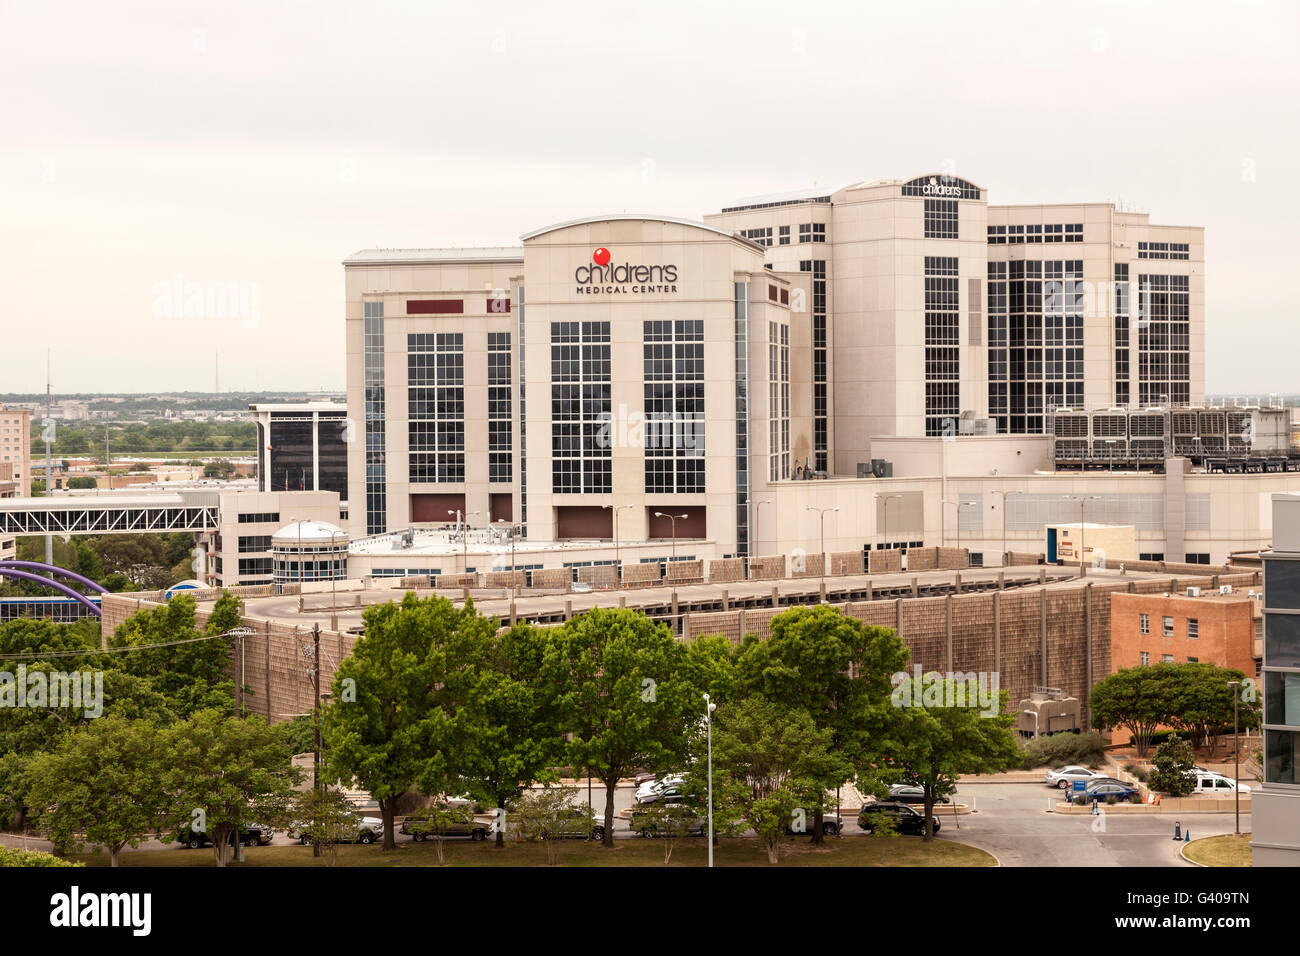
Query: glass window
1282, 640
1282, 583
1281, 747
1281, 698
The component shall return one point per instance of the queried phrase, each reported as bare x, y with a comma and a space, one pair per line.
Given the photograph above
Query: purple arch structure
8, 572
56, 570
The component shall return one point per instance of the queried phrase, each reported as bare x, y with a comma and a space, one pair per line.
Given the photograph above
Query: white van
1210, 782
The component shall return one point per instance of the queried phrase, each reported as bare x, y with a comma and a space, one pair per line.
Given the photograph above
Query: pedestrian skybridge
109, 514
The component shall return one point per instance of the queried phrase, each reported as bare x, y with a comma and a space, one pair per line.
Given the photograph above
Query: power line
88, 652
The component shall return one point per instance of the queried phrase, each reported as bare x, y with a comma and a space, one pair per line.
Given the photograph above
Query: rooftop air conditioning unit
1225, 588
1193, 592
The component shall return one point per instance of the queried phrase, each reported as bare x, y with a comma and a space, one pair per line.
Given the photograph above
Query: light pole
673, 519
514, 581
821, 523
888, 498
618, 567
709, 708
758, 503
1083, 500
1004, 495
334, 571
464, 538
1236, 753
959, 503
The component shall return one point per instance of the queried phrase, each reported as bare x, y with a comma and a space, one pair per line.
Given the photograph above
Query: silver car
1063, 777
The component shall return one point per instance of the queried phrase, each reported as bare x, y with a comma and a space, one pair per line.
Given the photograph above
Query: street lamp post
758, 503
464, 537
673, 519
1004, 495
885, 543
618, 567
709, 708
1083, 500
1236, 754
334, 573
821, 523
960, 504
514, 583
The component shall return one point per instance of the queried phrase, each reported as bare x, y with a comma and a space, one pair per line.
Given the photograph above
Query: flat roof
643, 217
464, 254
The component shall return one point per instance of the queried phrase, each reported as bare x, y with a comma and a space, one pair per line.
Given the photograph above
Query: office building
1275, 807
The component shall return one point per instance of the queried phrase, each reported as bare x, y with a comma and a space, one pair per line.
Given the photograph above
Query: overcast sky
259, 143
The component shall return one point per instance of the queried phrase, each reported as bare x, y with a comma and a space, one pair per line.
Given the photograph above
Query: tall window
942, 353
820, 357
778, 425
373, 355
581, 440
1164, 339
673, 354
1121, 307
435, 365
500, 410
941, 219
997, 337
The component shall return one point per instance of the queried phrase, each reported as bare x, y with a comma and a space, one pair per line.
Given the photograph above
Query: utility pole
47, 432
315, 664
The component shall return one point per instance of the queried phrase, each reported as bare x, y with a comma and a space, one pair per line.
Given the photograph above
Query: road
1013, 824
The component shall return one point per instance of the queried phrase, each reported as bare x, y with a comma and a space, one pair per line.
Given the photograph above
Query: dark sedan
906, 819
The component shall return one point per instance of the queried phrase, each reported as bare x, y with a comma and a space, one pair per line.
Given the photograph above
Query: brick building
1188, 626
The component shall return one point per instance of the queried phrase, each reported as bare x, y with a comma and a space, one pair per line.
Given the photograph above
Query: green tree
931, 744
101, 786
10, 856
325, 818
81, 482
669, 822
1203, 704
221, 468
194, 675
629, 701
438, 820
393, 716
770, 765
837, 668
224, 772
1171, 768
511, 736
546, 814
1139, 699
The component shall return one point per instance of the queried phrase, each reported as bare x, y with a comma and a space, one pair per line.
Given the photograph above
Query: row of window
1045, 232
1167, 626
1164, 250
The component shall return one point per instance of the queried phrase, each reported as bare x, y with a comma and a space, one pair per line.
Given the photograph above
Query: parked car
418, 826
830, 825
250, 834
907, 819
580, 823
1064, 777
1208, 781
642, 822
906, 793
364, 830
666, 786
1103, 791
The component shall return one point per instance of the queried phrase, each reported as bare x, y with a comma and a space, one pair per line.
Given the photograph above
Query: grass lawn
1227, 850
849, 851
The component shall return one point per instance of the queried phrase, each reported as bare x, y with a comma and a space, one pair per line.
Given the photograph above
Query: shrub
1111, 800
13, 857
1137, 770
1057, 749
1171, 768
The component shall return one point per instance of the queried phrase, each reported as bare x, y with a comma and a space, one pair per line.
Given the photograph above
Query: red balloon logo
600, 256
